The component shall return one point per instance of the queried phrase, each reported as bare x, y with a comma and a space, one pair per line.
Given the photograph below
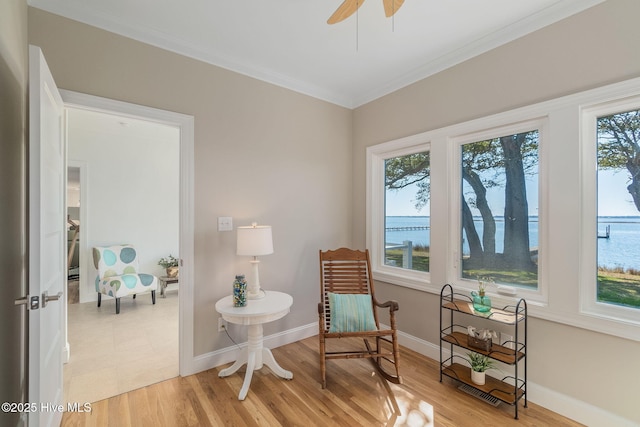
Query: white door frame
186, 125
82, 237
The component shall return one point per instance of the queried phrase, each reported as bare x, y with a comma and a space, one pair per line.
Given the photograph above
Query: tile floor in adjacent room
112, 354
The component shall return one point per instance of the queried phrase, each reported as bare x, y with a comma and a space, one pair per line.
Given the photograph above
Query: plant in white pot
479, 365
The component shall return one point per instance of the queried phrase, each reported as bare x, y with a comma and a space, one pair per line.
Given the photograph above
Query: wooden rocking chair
348, 308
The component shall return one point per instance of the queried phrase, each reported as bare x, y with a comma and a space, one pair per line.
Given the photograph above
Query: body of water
621, 249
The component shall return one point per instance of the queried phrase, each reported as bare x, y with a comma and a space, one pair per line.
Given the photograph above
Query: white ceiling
289, 43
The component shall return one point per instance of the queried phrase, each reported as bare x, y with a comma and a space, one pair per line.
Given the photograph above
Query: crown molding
530, 24
78, 11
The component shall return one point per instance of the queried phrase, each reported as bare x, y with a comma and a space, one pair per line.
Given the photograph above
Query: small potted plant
479, 365
170, 264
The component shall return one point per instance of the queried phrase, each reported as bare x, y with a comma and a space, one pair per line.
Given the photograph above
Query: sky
401, 203
614, 199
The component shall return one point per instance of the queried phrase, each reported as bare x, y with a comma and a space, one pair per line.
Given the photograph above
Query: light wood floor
116, 353
354, 396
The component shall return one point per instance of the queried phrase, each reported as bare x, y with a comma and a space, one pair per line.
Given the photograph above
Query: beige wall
594, 48
262, 153
13, 122
268, 154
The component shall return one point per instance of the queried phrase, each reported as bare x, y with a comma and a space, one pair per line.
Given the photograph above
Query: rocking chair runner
348, 308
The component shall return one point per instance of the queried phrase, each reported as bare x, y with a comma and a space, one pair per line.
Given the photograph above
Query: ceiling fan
349, 7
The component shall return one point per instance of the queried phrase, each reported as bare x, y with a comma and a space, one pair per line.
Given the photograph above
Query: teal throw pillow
351, 313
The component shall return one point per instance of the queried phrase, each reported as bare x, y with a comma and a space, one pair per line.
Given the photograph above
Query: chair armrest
393, 305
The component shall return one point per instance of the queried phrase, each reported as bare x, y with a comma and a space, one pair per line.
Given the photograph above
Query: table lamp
255, 240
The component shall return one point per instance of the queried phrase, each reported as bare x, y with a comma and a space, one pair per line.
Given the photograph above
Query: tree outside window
499, 220
618, 139
407, 220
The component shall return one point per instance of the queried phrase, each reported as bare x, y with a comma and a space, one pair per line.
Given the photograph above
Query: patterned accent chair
118, 274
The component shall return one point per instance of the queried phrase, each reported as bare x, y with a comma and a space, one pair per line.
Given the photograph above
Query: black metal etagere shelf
509, 389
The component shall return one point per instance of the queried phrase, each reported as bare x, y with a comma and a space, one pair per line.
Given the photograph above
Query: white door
46, 242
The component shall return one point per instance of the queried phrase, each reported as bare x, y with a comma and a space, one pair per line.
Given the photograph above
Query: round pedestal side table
257, 312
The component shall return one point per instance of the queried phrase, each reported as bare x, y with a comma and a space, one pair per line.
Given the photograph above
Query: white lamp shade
255, 240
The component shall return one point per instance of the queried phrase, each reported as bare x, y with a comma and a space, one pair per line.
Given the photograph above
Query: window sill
537, 309
419, 281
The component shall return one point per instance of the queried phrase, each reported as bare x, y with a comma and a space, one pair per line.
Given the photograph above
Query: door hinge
32, 302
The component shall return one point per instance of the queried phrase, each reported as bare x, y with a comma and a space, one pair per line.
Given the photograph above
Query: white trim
226, 355
582, 412
426, 348
523, 123
66, 349
375, 210
558, 152
82, 240
589, 304
186, 125
171, 43
84, 264
548, 16
554, 13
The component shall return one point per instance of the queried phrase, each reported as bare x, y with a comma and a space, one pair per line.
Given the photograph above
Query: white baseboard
229, 354
66, 353
575, 409
418, 345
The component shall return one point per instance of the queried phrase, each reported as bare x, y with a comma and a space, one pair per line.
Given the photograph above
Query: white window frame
509, 127
566, 202
376, 157
589, 304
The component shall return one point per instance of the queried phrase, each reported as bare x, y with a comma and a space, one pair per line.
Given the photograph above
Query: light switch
225, 223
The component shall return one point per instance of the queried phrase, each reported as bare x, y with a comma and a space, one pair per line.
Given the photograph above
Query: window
611, 277
520, 197
499, 209
406, 237
618, 136
398, 225
611, 156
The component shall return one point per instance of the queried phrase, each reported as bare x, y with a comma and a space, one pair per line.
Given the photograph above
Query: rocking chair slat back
348, 271
344, 271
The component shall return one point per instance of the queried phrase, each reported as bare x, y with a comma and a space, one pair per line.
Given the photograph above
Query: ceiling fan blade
391, 6
345, 10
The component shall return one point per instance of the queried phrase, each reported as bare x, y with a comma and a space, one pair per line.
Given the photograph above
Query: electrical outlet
222, 325
506, 340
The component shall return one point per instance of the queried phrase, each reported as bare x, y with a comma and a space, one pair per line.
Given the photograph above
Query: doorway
173, 321
131, 195
73, 233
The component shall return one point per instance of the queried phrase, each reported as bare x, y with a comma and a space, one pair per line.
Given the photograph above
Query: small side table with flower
170, 264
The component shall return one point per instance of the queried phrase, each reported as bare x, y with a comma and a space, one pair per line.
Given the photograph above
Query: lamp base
258, 295
254, 291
